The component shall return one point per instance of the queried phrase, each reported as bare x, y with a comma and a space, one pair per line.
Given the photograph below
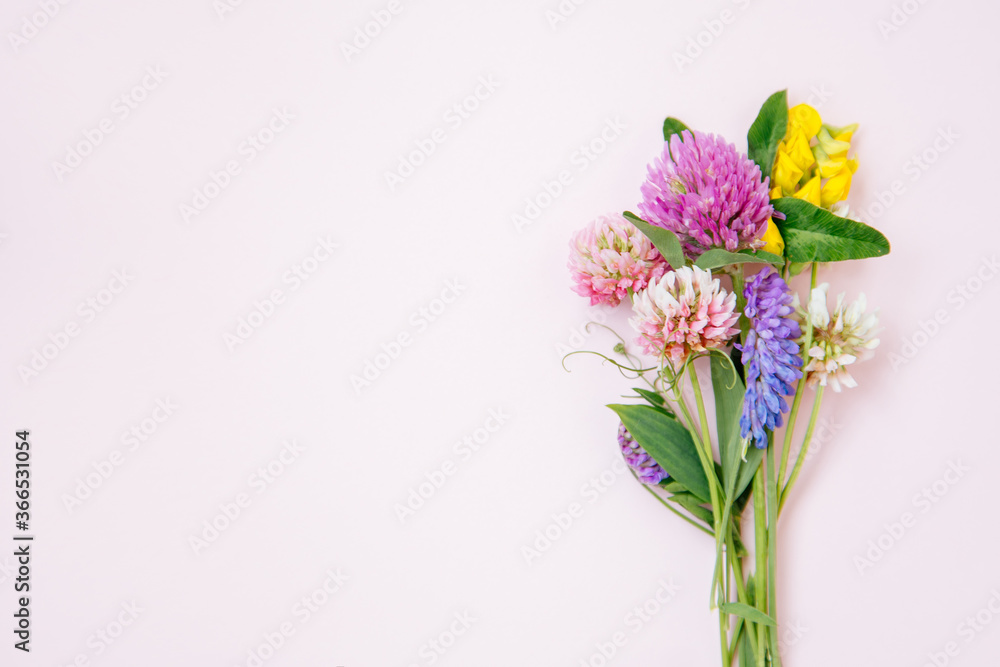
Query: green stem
760, 558
686, 411
708, 463
727, 659
805, 446
790, 428
772, 549
741, 301
741, 627
800, 389
736, 565
706, 440
675, 510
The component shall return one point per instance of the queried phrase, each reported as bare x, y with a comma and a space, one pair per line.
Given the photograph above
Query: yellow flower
786, 173
798, 150
844, 133
810, 192
803, 117
772, 239
827, 165
833, 147
839, 185
820, 166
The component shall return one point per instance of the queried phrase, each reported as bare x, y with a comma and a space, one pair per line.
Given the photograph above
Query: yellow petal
827, 165
836, 188
832, 147
772, 239
810, 192
837, 132
805, 118
798, 149
776, 192
786, 174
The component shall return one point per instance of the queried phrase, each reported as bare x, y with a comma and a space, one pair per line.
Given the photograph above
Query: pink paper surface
264, 205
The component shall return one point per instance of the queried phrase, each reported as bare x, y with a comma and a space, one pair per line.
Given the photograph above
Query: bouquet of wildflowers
706, 264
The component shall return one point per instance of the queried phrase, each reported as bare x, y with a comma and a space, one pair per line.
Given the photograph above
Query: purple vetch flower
648, 470
707, 193
770, 354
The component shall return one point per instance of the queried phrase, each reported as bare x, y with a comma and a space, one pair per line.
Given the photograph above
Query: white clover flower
686, 311
840, 338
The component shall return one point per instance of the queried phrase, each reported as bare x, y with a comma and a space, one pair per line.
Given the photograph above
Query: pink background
495, 346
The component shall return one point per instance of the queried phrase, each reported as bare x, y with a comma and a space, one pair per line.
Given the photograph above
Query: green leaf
795, 268
748, 613
672, 486
813, 234
672, 126
739, 549
729, 392
694, 506
654, 399
748, 470
665, 240
669, 443
716, 257
736, 357
745, 650
767, 132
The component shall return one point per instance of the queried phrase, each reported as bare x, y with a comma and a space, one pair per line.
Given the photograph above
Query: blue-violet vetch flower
770, 354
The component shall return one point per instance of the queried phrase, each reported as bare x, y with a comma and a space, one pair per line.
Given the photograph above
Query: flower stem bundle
707, 267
